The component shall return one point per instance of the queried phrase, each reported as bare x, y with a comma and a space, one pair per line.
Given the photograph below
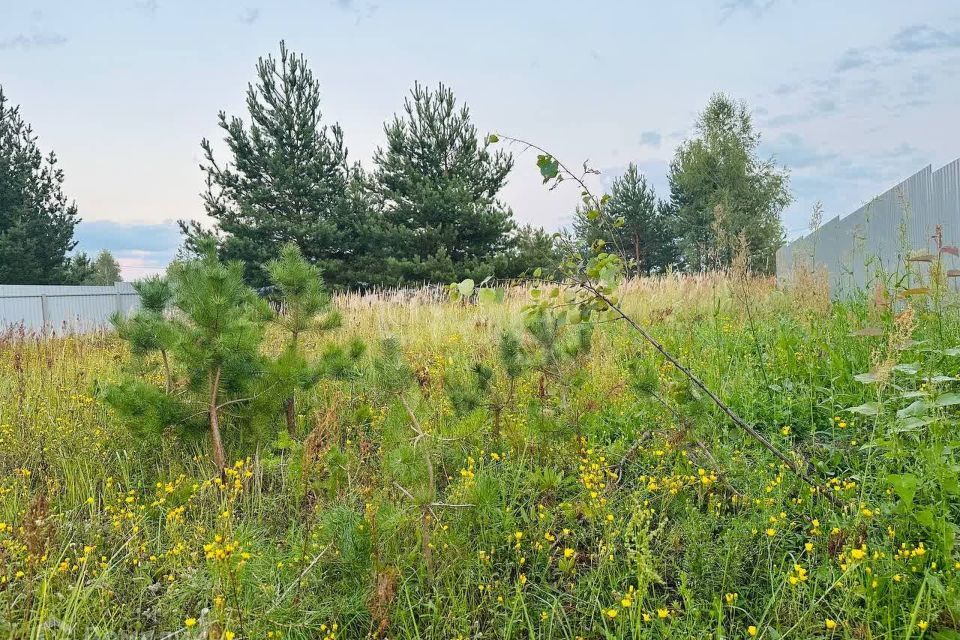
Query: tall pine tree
438, 183
287, 178
36, 218
645, 237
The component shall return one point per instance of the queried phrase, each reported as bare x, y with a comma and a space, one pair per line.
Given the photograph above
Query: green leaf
948, 399
549, 167
866, 409
493, 138
489, 296
592, 215
866, 378
905, 485
908, 368
465, 288
925, 517
538, 272
917, 407
912, 423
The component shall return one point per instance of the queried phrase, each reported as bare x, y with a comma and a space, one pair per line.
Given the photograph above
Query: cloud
650, 138
924, 38
785, 89
250, 15
141, 249
756, 7
851, 59
842, 182
909, 40
361, 12
791, 150
147, 6
817, 108
38, 40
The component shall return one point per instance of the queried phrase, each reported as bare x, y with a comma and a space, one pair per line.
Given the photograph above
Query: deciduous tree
720, 187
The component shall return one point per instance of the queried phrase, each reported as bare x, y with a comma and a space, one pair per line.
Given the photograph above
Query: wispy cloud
792, 151
650, 139
909, 41
361, 11
147, 6
923, 37
852, 59
756, 7
250, 15
39, 40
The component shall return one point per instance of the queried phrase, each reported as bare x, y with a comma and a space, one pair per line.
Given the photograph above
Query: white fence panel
63, 309
879, 235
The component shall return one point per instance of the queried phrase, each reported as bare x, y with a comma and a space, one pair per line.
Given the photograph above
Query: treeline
427, 209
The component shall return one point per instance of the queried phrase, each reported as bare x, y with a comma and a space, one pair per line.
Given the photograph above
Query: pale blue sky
852, 95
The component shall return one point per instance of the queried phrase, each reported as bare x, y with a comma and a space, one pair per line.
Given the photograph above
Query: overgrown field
554, 483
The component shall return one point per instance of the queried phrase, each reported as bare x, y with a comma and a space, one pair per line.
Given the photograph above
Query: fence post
44, 314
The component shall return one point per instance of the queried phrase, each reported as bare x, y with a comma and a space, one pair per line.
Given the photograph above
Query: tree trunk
636, 251
290, 409
289, 405
219, 455
166, 371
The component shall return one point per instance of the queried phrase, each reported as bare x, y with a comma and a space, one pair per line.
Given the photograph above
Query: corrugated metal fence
882, 234
63, 309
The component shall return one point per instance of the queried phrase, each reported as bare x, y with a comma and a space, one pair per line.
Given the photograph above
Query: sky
850, 96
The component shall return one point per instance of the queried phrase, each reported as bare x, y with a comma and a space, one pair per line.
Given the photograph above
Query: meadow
553, 481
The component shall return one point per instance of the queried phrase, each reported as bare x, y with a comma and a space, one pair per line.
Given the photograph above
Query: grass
614, 501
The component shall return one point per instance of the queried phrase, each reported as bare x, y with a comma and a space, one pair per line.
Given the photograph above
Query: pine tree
720, 188
530, 248
644, 238
215, 337
287, 178
79, 269
438, 185
148, 330
36, 219
491, 386
305, 310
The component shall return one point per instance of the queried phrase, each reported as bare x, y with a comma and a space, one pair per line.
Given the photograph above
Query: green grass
615, 501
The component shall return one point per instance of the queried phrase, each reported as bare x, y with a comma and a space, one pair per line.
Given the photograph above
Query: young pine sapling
491, 387
148, 330
305, 309
216, 339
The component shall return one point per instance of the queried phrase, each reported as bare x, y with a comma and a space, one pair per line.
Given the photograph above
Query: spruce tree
79, 269
287, 177
36, 218
530, 248
438, 185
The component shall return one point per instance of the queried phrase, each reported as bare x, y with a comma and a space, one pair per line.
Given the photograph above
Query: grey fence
882, 234
63, 309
